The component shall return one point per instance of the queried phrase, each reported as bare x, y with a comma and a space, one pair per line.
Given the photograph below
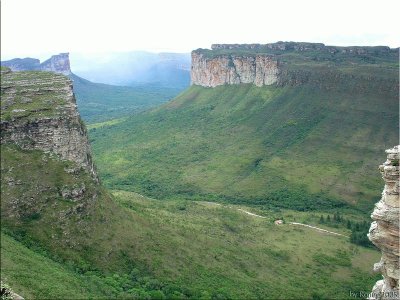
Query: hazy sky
42, 27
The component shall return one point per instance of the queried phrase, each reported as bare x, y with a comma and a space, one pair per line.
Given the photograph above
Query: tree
338, 217
348, 224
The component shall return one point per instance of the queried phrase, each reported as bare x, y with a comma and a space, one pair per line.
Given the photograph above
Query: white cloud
42, 27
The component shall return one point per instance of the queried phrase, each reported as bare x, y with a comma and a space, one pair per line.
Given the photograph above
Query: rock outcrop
39, 111
384, 231
8, 294
230, 69
57, 63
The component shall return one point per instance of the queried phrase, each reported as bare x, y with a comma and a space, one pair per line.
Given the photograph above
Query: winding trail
251, 214
317, 228
291, 223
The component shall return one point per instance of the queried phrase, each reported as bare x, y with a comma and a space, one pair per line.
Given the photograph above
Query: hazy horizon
43, 28
44, 56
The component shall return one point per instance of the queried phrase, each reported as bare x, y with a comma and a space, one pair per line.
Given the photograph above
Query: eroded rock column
384, 231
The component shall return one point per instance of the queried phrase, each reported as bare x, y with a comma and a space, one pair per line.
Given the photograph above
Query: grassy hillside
51, 279
99, 102
183, 249
313, 146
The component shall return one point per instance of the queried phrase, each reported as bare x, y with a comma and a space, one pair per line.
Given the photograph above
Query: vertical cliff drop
384, 231
39, 111
234, 69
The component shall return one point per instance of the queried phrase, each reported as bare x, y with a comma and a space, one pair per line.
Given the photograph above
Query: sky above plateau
40, 28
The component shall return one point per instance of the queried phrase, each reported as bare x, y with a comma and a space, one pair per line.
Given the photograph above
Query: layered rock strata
230, 69
39, 111
384, 231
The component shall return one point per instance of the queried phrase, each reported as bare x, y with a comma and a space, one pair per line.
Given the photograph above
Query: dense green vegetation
196, 250
131, 246
101, 102
359, 233
305, 147
315, 55
359, 230
300, 153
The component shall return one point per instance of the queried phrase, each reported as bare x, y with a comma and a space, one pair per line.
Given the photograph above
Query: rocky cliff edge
39, 111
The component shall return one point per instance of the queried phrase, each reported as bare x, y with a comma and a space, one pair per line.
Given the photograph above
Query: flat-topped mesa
57, 64
384, 231
292, 63
304, 46
39, 111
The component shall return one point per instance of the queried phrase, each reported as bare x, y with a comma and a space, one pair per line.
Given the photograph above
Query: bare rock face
233, 69
39, 111
58, 64
384, 231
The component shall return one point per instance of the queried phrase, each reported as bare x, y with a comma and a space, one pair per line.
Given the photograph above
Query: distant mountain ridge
101, 102
131, 68
123, 69
57, 63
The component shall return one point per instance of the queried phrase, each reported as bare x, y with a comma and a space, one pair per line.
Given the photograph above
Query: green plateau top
34, 94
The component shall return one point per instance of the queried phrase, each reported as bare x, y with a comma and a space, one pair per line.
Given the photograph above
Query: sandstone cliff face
231, 69
57, 63
384, 231
38, 111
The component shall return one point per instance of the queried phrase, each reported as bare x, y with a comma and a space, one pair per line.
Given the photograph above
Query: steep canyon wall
39, 111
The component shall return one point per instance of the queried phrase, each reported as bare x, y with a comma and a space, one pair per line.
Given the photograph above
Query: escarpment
384, 231
291, 63
39, 111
